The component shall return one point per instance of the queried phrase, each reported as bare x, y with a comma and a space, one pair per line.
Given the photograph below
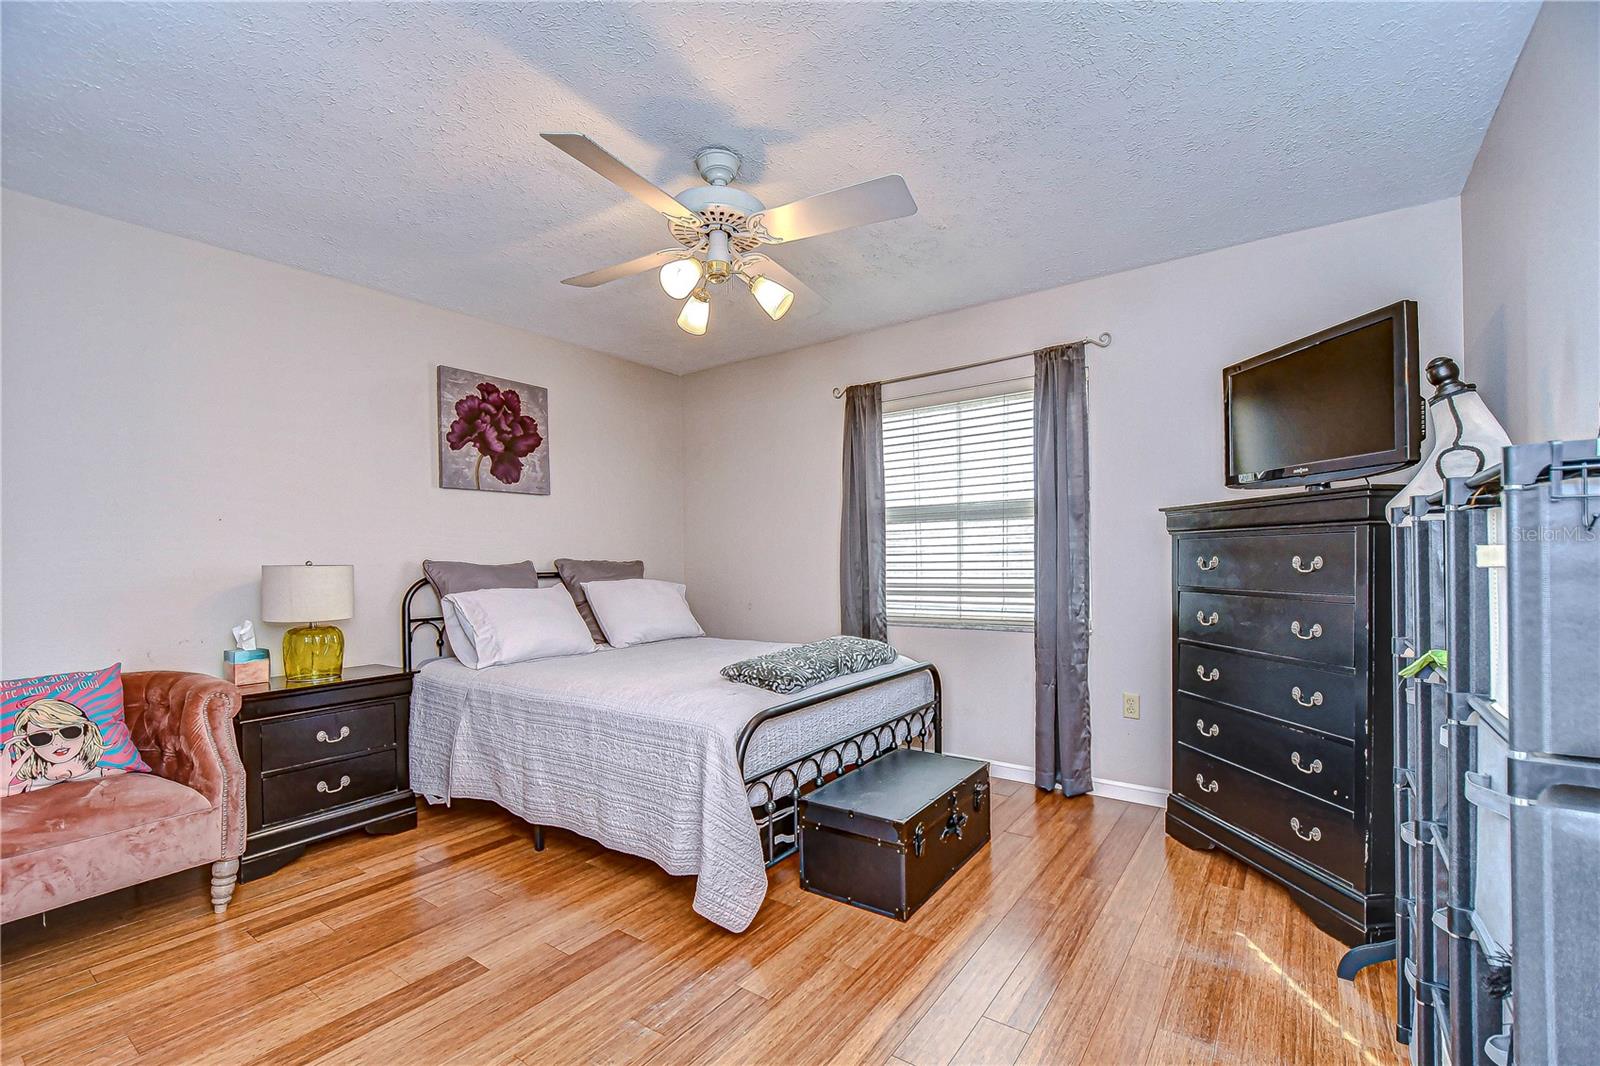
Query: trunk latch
917, 841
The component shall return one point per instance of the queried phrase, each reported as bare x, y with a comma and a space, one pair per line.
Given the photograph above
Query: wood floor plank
1080, 935
990, 1044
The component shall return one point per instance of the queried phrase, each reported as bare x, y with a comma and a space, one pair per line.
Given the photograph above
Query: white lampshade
695, 315
773, 298
679, 277
1462, 433
307, 593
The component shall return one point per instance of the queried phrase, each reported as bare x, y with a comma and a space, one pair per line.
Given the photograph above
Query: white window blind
958, 482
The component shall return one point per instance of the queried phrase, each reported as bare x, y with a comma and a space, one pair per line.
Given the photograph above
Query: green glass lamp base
313, 653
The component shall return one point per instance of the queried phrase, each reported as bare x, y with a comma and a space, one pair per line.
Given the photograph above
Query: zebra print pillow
804, 665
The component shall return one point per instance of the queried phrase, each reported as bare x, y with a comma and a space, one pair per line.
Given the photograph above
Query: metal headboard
410, 622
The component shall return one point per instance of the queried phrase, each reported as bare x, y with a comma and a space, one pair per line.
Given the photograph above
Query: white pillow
493, 626
639, 611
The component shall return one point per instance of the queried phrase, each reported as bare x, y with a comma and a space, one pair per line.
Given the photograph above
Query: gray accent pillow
574, 572
448, 578
804, 665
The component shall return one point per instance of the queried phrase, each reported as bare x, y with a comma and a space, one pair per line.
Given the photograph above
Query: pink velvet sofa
83, 838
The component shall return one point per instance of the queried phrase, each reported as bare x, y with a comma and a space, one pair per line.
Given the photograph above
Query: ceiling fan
719, 229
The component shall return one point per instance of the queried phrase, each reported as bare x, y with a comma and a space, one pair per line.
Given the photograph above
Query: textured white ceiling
396, 145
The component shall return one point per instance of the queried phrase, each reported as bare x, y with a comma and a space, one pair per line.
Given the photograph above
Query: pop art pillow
65, 727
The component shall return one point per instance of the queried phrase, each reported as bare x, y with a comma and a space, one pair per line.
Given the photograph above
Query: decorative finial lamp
307, 596
1463, 436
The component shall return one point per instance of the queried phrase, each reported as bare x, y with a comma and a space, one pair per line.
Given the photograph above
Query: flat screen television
1343, 403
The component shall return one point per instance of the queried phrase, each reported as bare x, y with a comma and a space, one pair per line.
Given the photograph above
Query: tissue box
247, 666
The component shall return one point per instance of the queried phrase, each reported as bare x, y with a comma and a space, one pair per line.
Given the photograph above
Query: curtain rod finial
838, 393
1103, 341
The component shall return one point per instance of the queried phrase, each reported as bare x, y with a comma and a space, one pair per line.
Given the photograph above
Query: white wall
763, 454
176, 415
1530, 221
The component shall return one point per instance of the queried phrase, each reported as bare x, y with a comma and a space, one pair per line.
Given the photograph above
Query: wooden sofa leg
538, 838
224, 876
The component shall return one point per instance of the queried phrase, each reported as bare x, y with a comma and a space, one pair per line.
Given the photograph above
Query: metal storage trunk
886, 836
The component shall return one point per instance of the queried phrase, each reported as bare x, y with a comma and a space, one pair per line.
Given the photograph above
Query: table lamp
307, 596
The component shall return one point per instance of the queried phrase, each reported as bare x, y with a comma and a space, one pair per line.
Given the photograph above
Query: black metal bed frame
773, 792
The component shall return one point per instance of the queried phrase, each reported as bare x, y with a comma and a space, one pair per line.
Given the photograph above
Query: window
958, 482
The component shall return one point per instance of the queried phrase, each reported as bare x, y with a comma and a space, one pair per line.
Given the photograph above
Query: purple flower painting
494, 434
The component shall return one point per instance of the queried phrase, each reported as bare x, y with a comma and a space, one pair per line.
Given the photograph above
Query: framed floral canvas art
494, 434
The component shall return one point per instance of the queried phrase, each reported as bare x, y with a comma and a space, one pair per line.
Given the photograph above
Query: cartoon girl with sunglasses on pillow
54, 741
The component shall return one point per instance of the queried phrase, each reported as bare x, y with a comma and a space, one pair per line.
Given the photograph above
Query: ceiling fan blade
618, 173
804, 296
653, 261
872, 201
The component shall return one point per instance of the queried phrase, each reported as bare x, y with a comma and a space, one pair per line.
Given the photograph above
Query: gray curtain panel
863, 608
1061, 570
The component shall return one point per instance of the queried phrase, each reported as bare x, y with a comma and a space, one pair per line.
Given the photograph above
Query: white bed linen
635, 748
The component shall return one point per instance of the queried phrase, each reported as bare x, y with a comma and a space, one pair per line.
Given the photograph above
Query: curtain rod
1103, 341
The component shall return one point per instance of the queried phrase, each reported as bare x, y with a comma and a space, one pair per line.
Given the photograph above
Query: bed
649, 751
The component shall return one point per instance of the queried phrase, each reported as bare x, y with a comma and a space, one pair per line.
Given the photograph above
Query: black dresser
1282, 713
323, 758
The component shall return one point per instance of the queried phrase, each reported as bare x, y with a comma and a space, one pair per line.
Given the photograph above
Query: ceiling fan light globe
774, 299
680, 277
695, 316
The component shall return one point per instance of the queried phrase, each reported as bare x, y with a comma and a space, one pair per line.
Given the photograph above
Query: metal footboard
774, 792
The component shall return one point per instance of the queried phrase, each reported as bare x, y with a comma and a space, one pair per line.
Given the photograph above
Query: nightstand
323, 758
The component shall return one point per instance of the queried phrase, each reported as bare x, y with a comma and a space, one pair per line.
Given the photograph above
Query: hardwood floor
1081, 935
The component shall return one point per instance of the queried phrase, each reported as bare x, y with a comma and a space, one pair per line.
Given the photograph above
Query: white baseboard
1125, 791
1128, 792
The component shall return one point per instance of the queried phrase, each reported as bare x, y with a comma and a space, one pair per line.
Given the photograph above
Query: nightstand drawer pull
1313, 836
1200, 616
1201, 562
1205, 675
1314, 768
322, 735
1200, 779
1316, 564
1314, 701
1207, 730
1312, 634
344, 782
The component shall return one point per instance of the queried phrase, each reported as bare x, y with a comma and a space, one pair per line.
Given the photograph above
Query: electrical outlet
1130, 705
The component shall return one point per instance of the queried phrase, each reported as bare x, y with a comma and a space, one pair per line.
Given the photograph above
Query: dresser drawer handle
1200, 561
1314, 768
1312, 634
1313, 836
322, 735
1314, 701
1316, 564
344, 782
1200, 779
1200, 671
1207, 730
1200, 616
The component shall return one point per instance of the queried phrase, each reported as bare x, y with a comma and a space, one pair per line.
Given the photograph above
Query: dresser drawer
298, 793
1309, 829
1315, 630
1318, 564
1314, 763
1299, 693
308, 738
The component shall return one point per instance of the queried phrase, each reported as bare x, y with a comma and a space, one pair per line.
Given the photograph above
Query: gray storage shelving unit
1497, 801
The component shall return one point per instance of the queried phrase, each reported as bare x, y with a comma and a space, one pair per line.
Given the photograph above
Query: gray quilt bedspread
634, 748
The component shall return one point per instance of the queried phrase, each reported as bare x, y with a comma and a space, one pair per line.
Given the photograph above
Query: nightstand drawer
298, 793
309, 738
